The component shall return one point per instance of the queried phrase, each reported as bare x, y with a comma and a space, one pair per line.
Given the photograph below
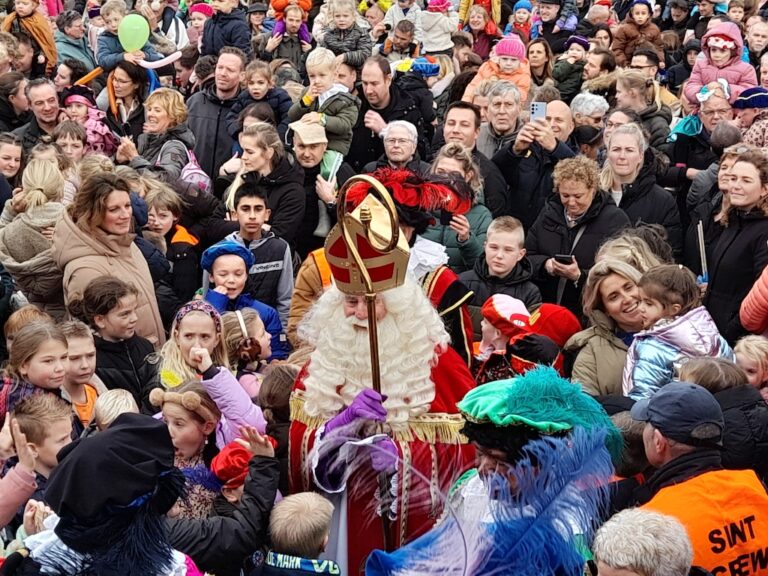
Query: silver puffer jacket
656, 354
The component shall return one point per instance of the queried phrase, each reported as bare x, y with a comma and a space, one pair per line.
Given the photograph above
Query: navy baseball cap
683, 412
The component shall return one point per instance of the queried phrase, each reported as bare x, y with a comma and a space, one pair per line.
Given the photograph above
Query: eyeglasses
397, 141
720, 112
613, 125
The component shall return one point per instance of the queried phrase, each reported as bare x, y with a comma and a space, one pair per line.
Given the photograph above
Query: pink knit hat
203, 8
511, 46
439, 6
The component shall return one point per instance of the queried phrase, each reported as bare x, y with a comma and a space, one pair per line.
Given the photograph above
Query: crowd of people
572, 353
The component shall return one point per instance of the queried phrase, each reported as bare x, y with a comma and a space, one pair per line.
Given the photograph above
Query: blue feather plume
536, 531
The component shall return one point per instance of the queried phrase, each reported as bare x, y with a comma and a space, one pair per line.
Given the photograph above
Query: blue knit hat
522, 5
222, 249
756, 97
645, 3
426, 67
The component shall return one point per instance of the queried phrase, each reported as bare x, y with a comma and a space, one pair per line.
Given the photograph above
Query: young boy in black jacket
299, 528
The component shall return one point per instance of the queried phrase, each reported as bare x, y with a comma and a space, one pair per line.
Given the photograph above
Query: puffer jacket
517, 284
657, 122
355, 44
568, 78
490, 70
84, 256
341, 110
736, 262
745, 436
111, 52
655, 353
236, 406
276, 98
68, 47
645, 202
600, 356
28, 257
226, 30
754, 309
164, 156
629, 36
739, 74
462, 255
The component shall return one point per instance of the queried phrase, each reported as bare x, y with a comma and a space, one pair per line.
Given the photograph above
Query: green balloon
133, 32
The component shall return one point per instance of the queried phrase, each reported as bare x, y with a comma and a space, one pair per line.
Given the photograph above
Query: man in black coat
381, 103
528, 163
549, 10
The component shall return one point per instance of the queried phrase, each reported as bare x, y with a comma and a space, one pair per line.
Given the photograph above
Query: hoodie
739, 74
656, 353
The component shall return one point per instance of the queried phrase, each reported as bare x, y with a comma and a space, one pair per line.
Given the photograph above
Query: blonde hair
113, 6
36, 413
508, 224
338, 5
171, 101
93, 164
28, 340
42, 182
446, 65
599, 272
607, 175
477, 9
462, 155
174, 368
756, 349
162, 197
22, 317
111, 404
321, 58
640, 83
299, 524
232, 332
266, 138
631, 250
75, 329
714, 374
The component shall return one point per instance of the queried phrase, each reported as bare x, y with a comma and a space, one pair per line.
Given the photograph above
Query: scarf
37, 26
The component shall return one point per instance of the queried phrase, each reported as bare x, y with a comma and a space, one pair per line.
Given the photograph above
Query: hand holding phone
538, 111
564, 259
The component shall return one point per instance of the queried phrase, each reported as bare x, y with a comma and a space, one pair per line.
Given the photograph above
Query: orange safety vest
323, 267
726, 515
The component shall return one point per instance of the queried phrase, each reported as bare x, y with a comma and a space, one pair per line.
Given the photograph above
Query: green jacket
568, 79
341, 110
462, 255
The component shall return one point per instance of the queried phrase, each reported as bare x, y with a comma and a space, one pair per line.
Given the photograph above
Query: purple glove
384, 455
367, 405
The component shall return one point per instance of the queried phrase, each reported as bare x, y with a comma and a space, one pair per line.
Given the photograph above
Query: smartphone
446, 217
538, 111
564, 259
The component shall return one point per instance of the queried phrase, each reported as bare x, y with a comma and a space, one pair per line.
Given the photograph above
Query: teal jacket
68, 47
462, 255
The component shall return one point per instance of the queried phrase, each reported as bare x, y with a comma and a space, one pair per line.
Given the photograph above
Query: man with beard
757, 40
335, 413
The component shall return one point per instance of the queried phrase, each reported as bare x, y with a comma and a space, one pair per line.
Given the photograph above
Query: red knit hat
202, 8
230, 465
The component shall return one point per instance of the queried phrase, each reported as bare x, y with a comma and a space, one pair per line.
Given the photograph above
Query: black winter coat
9, 121
656, 121
226, 30
518, 284
284, 190
207, 118
221, 544
130, 365
367, 146
550, 235
745, 437
306, 241
738, 259
278, 100
645, 202
529, 179
416, 87
678, 74
184, 257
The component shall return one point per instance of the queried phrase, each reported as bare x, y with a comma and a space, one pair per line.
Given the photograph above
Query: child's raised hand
34, 514
273, 43
26, 457
257, 444
200, 359
131, 57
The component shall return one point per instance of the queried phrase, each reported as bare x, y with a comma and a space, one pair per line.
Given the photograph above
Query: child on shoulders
260, 88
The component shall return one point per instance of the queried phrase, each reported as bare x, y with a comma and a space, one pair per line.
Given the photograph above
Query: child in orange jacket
509, 64
279, 7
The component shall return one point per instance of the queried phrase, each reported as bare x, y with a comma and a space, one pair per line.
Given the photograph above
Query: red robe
432, 446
